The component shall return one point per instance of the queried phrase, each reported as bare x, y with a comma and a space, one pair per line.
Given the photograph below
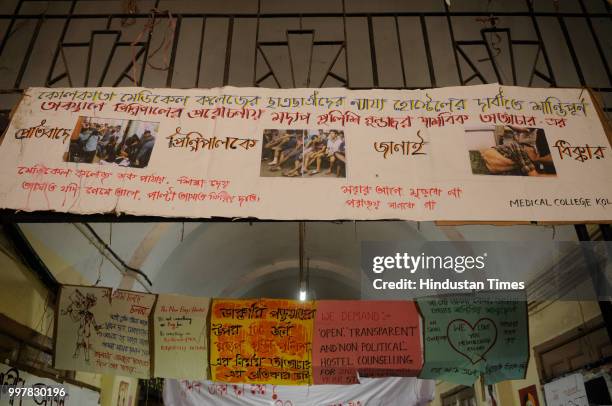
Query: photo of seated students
102, 141
303, 153
509, 150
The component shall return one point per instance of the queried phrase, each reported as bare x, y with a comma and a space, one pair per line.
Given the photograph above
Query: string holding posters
264, 341
355, 339
467, 336
180, 337
101, 331
518, 154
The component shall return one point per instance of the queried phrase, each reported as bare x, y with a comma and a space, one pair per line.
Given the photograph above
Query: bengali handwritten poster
569, 390
354, 339
264, 341
180, 337
98, 330
15, 378
466, 337
518, 154
370, 392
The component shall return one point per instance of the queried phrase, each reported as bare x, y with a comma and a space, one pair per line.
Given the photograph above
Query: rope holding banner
163, 46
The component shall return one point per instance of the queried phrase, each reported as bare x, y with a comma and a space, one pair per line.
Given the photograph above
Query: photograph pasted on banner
126, 143
509, 150
261, 153
303, 153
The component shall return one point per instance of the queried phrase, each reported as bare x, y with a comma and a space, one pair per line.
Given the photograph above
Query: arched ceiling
241, 259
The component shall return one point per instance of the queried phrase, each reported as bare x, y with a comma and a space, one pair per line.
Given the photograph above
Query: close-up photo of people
303, 153
103, 141
509, 150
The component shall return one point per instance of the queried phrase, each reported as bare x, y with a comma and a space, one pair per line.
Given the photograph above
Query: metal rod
177, 32
58, 49
572, 51
228, 51
109, 60
330, 67
200, 52
61, 16
536, 27
373, 51
600, 51
30, 256
9, 29
597, 277
491, 57
454, 43
105, 251
346, 64
28, 53
401, 53
255, 83
432, 72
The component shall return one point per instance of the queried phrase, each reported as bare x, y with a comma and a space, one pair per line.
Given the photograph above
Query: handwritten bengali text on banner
381, 391
101, 331
466, 337
518, 154
11, 377
265, 341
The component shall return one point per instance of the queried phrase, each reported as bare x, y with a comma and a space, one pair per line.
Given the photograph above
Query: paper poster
365, 338
516, 154
370, 392
465, 337
529, 396
98, 330
264, 341
123, 394
14, 378
180, 337
568, 390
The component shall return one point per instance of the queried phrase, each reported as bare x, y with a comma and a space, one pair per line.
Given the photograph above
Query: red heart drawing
474, 343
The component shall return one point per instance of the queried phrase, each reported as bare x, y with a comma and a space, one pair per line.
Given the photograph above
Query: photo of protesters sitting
102, 141
517, 151
303, 153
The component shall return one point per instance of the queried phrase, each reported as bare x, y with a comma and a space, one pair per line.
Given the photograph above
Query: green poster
467, 336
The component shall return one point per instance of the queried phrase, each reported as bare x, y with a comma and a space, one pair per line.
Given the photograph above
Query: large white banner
14, 378
371, 392
485, 152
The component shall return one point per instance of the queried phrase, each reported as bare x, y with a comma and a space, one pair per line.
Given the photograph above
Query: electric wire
114, 254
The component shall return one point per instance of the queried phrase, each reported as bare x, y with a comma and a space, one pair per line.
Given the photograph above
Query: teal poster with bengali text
466, 336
